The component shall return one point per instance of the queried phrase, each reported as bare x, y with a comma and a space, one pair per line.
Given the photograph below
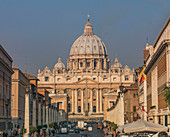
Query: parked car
77, 130
64, 130
71, 130
84, 135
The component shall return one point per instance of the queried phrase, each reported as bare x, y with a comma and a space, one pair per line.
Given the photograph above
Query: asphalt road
95, 133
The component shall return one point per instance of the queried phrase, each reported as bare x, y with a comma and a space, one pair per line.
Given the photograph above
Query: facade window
95, 64
114, 79
67, 79
134, 108
46, 78
79, 99
88, 64
94, 99
105, 91
104, 79
88, 107
81, 64
78, 93
58, 79
94, 93
79, 109
69, 107
134, 95
126, 78
79, 79
94, 108
94, 78
116, 71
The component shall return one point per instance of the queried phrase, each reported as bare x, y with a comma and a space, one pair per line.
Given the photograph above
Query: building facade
158, 75
19, 84
5, 90
88, 86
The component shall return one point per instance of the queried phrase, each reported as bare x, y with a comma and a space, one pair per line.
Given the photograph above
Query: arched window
94, 108
46, 78
79, 109
69, 107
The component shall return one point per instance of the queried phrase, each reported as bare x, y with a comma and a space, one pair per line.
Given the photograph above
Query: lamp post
27, 112
7, 104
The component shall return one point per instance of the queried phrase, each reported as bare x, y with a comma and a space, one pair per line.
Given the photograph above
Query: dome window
116, 71
58, 79
81, 64
46, 79
126, 78
94, 47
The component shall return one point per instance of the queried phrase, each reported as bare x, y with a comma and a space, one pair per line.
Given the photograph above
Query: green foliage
114, 126
33, 129
65, 91
51, 125
167, 94
38, 129
45, 126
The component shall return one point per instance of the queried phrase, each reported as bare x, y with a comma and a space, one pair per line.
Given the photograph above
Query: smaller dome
59, 65
116, 64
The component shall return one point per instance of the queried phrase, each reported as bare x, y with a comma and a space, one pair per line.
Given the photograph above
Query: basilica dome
59, 65
88, 44
116, 64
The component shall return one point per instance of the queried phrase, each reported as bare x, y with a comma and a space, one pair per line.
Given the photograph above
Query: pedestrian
3, 134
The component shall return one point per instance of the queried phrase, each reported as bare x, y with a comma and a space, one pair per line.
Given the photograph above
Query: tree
33, 130
51, 125
167, 93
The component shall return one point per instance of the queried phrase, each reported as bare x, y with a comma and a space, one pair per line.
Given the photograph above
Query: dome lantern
88, 29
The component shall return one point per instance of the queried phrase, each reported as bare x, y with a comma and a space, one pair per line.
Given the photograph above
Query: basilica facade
89, 85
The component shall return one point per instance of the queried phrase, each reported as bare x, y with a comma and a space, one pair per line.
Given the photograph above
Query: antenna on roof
25, 67
147, 39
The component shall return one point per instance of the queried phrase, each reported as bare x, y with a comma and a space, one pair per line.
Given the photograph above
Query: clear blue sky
37, 32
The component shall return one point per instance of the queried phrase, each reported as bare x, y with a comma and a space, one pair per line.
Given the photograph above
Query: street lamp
7, 104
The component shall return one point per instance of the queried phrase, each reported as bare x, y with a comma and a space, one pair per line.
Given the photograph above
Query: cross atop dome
88, 29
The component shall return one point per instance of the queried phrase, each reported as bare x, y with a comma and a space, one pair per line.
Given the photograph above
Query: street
95, 133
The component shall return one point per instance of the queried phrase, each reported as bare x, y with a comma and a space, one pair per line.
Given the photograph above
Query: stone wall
116, 113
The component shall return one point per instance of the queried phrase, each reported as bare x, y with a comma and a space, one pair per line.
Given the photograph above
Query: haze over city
39, 32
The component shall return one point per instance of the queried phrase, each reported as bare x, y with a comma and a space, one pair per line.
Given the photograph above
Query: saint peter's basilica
89, 85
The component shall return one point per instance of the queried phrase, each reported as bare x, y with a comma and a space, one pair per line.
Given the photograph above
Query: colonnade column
72, 101
43, 112
100, 91
52, 114
82, 102
75, 101
27, 112
97, 101
34, 111
91, 104
39, 111
47, 113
